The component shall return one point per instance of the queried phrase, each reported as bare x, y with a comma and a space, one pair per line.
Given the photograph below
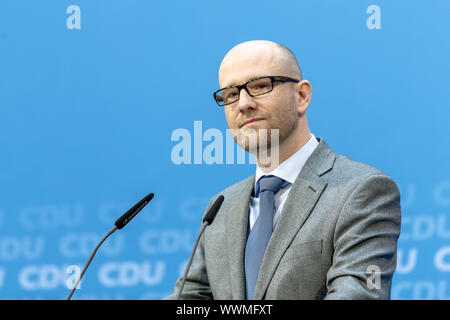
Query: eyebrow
233, 84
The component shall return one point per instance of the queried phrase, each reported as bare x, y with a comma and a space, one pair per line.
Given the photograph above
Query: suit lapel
302, 198
236, 235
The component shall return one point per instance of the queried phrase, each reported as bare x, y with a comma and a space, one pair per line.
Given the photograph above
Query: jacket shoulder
346, 169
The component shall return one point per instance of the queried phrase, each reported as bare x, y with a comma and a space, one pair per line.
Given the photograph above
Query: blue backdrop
91, 93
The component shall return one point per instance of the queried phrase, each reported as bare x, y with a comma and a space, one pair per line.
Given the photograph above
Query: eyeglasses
254, 87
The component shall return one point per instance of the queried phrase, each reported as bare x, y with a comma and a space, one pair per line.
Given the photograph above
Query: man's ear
303, 95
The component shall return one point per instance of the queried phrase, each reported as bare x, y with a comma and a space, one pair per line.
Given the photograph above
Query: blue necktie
262, 230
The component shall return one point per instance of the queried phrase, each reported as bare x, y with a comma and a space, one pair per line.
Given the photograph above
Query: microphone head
131, 213
211, 214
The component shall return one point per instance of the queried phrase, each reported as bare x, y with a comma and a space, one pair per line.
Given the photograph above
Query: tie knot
271, 183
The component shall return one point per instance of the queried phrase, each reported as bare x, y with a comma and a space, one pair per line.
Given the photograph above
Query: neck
277, 154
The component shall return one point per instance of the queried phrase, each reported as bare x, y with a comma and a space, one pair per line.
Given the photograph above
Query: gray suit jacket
336, 237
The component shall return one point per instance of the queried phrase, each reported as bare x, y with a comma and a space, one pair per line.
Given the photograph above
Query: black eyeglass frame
273, 79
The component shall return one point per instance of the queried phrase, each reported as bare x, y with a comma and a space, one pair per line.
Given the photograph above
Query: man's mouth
251, 121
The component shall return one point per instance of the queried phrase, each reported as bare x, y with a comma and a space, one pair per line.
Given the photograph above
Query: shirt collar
290, 168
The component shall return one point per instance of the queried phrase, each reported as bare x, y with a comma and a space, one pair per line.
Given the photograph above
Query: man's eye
230, 96
260, 86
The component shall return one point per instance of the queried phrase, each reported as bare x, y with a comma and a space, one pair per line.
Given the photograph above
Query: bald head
276, 58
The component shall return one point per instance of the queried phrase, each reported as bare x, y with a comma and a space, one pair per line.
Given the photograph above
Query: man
314, 225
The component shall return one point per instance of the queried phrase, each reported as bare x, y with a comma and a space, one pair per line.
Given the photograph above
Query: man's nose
245, 101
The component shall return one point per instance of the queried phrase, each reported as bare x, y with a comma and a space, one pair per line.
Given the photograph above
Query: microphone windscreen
211, 214
130, 214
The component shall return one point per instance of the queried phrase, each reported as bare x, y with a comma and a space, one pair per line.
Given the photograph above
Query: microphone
130, 214
207, 220
119, 224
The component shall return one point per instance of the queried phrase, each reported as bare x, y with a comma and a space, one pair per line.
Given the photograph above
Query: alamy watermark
73, 272
374, 279
373, 22
74, 20
210, 147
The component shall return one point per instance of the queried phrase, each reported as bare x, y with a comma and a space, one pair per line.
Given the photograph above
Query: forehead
243, 64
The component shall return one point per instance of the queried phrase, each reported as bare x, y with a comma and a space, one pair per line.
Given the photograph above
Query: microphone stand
89, 261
